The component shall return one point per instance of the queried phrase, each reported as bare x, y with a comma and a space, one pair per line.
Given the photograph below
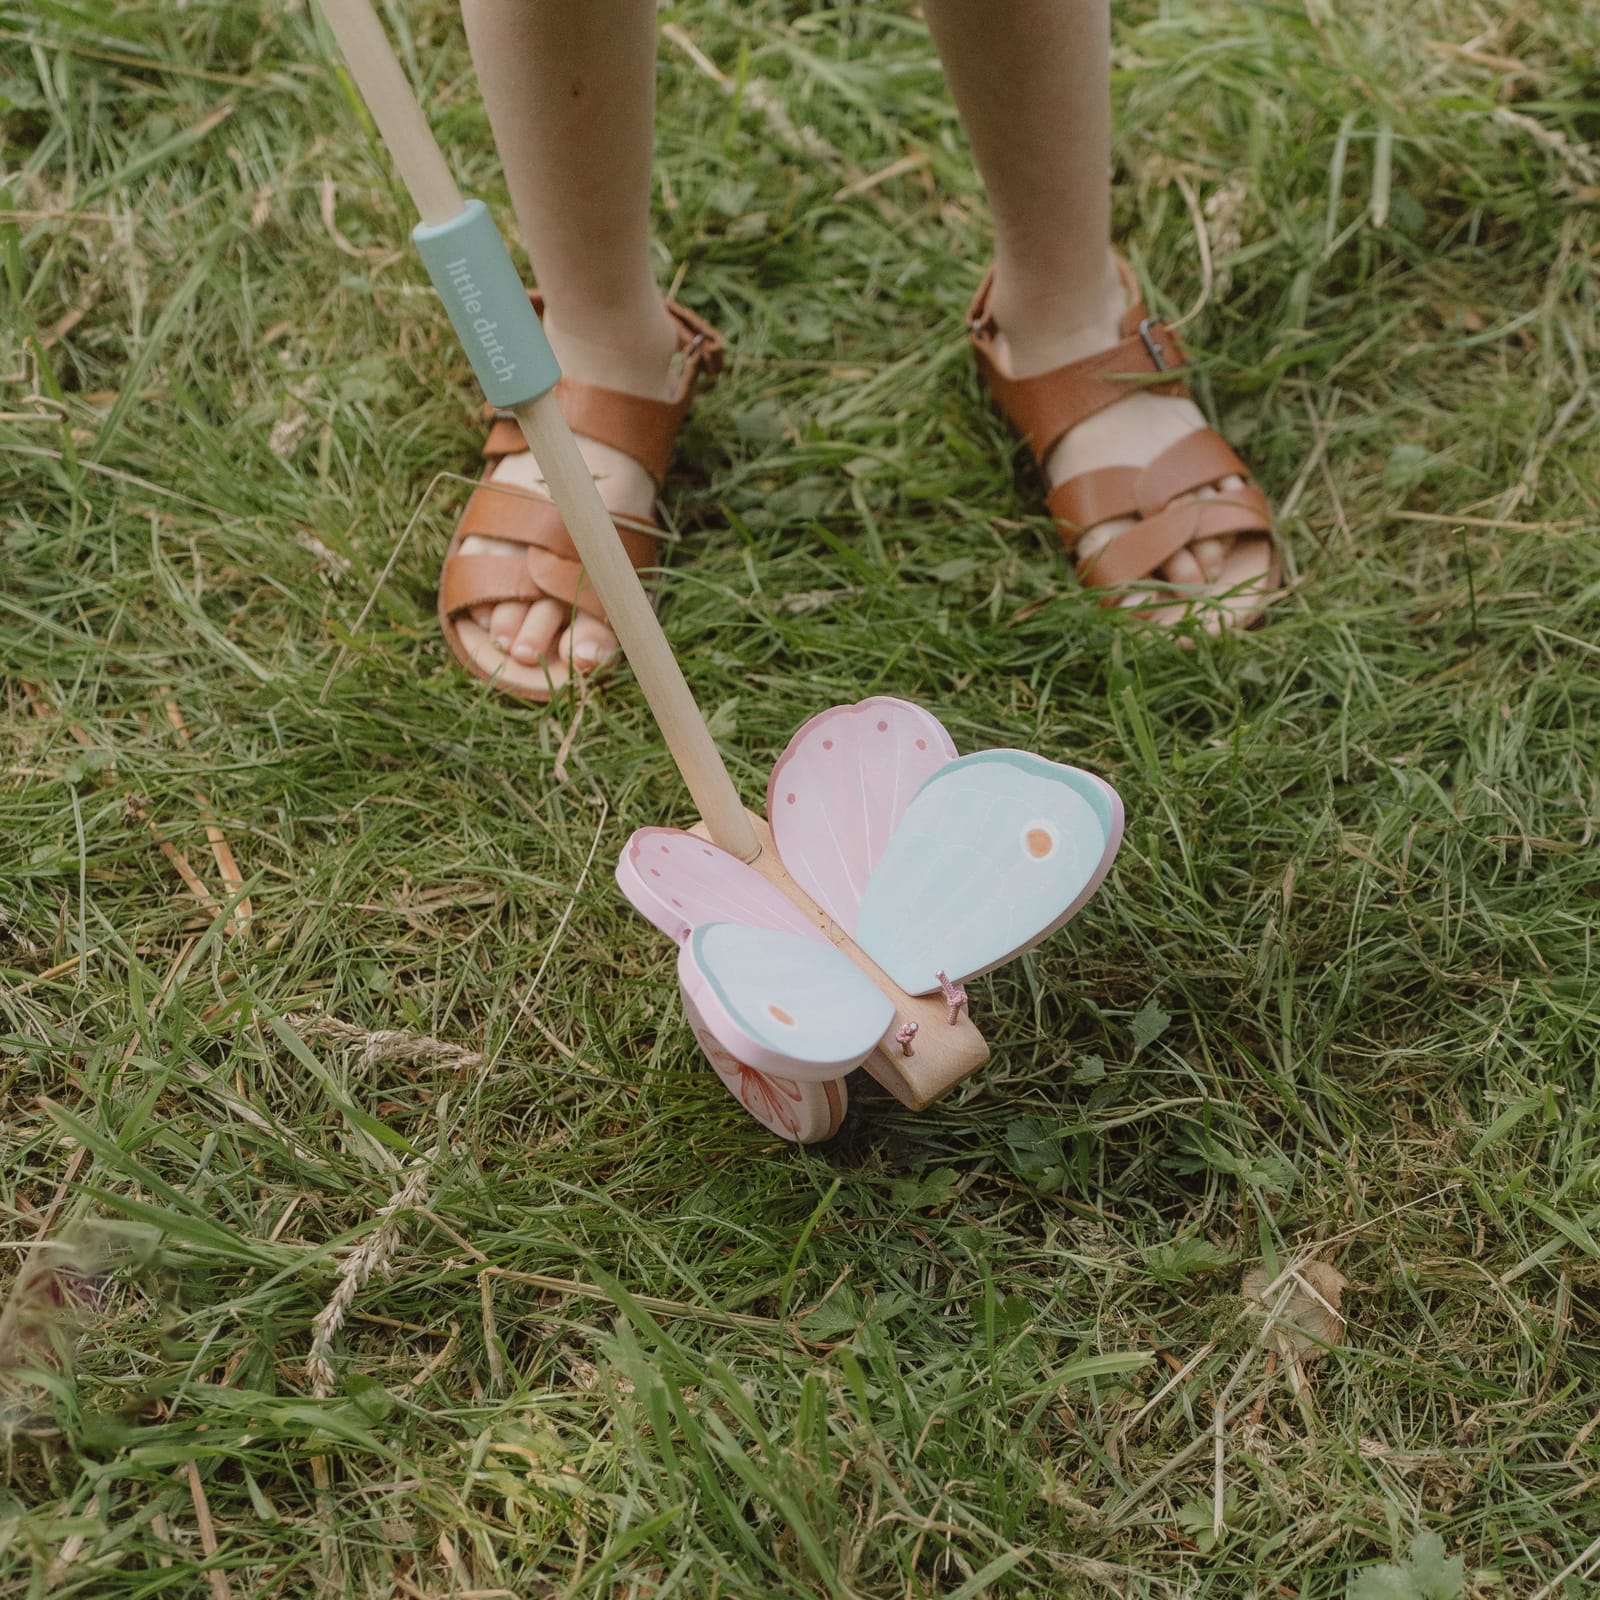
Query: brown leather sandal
1163, 495
548, 566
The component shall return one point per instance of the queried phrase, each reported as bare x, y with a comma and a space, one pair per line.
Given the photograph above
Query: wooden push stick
401, 124
633, 618
942, 1053
423, 170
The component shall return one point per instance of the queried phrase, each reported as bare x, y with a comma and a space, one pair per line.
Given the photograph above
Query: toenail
502, 641
525, 653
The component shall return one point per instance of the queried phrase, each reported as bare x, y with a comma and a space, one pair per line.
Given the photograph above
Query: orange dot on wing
1039, 843
778, 1014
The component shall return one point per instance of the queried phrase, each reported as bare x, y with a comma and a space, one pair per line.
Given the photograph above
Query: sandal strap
1162, 494
518, 516
566, 581
485, 580
505, 435
642, 428
548, 568
1139, 551
1196, 461
1048, 405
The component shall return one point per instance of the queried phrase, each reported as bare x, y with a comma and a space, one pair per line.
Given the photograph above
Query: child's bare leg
1031, 80
570, 91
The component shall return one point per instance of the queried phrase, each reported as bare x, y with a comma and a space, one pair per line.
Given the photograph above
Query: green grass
936, 1357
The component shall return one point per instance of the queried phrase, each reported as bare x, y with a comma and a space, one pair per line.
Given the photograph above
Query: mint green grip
467, 260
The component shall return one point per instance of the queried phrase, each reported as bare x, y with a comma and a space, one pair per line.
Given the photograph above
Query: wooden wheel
804, 1113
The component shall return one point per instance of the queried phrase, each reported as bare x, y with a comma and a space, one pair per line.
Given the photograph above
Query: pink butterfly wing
839, 790
679, 882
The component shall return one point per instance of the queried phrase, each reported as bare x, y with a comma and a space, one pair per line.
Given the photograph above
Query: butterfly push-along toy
892, 871
904, 871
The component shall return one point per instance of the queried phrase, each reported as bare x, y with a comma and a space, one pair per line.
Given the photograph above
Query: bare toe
1245, 587
538, 631
1211, 555
588, 643
1200, 564
504, 622
1207, 557
1184, 568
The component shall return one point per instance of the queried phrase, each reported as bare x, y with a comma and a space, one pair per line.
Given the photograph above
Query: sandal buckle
1152, 344
700, 372
703, 354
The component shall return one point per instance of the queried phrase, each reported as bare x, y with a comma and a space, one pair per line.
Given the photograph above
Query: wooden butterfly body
938, 867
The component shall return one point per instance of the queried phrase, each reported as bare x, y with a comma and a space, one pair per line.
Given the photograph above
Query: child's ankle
1047, 324
623, 347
